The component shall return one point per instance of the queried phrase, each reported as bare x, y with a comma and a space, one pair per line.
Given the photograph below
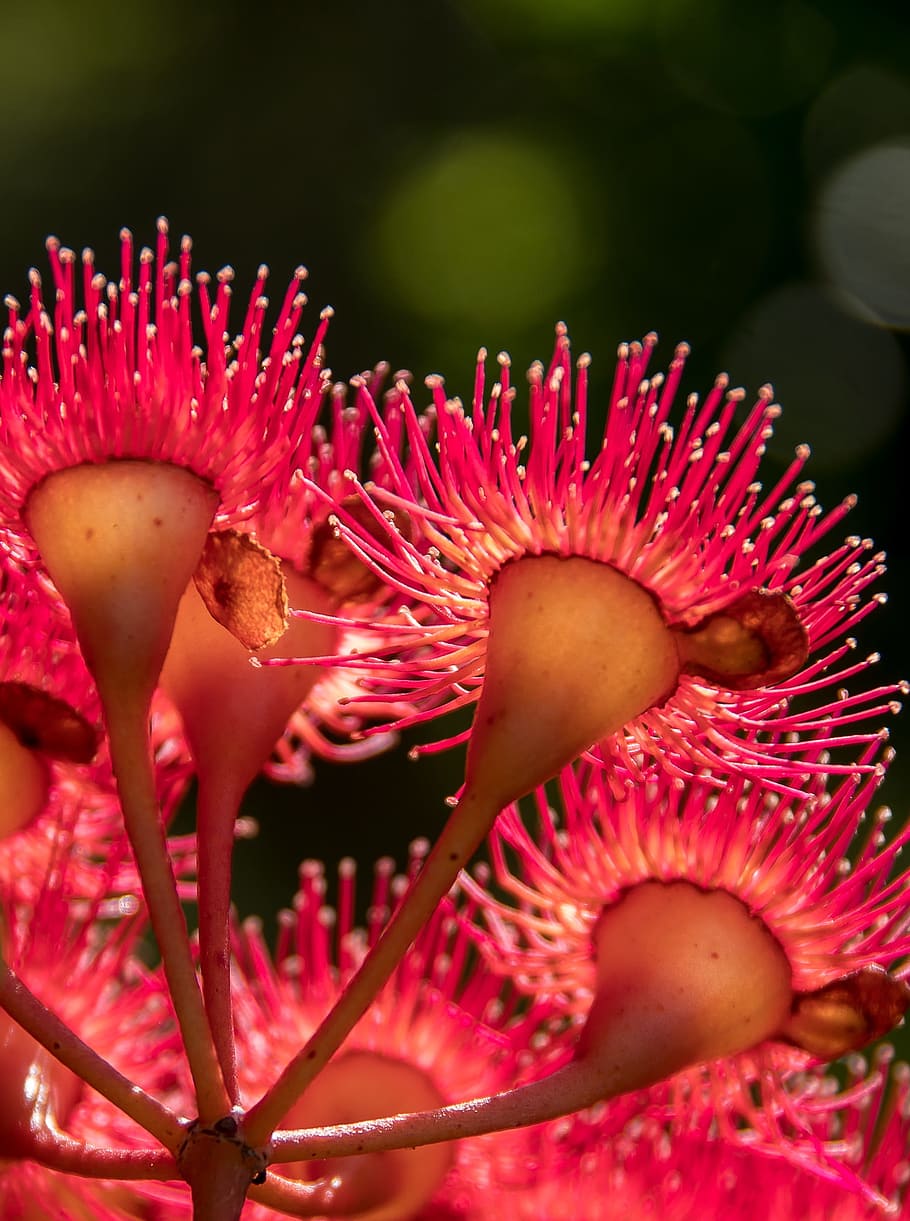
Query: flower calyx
684, 975
576, 650
120, 539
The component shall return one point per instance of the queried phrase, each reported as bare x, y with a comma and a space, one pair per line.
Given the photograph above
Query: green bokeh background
466, 172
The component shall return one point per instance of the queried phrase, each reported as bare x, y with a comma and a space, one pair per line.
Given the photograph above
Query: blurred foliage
465, 172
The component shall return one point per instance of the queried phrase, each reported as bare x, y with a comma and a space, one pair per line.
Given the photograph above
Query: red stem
216, 815
316, 1199
571, 1088
134, 769
69, 1156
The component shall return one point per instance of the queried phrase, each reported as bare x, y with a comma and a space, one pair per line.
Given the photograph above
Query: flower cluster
649, 999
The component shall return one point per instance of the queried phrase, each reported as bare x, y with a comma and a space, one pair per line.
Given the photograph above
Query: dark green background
465, 173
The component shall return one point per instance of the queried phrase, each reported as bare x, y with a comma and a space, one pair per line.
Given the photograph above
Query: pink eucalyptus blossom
118, 374
706, 567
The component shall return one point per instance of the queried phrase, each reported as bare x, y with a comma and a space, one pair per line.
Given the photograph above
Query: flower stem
61, 1153
216, 815
218, 1176
456, 844
571, 1088
48, 1030
316, 1199
133, 767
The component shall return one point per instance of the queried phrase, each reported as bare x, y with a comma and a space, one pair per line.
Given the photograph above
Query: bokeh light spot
746, 59
862, 233
491, 228
93, 50
840, 381
864, 106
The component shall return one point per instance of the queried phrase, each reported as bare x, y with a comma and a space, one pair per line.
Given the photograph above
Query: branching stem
456, 844
571, 1088
98, 1162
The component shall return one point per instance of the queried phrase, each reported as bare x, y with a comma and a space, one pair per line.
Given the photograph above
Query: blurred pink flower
83, 965
598, 1169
